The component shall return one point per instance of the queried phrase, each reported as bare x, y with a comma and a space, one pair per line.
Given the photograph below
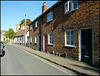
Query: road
18, 62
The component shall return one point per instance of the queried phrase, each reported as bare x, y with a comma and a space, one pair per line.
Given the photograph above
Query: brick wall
87, 15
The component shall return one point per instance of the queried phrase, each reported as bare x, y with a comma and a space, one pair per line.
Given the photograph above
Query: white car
1, 48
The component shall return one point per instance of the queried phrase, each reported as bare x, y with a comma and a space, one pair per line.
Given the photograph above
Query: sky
12, 12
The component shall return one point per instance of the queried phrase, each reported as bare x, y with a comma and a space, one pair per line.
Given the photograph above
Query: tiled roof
21, 32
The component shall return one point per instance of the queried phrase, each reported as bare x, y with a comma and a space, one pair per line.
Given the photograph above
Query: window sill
36, 27
50, 44
49, 21
70, 46
35, 43
70, 11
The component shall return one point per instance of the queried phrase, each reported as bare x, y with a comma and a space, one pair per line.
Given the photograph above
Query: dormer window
49, 16
31, 27
70, 6
36, 24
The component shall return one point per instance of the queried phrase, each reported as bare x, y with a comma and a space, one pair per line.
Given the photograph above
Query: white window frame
67, 3
36, 24
31, 27
49, 39
23, 27
35, 39
69, 45
49, 16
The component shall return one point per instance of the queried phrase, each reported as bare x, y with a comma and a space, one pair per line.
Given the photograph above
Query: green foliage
19, 28
5, 34
10, 33
28, 21
6, 41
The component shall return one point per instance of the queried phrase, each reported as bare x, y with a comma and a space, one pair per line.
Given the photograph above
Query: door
39, 38
45, 43
86, 45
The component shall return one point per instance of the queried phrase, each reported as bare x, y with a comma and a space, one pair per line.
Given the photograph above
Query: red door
45, 43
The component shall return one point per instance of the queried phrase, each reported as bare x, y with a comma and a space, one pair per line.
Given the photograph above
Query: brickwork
87, 15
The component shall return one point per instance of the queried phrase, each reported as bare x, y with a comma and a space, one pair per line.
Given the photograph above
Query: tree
10, 33
28, 21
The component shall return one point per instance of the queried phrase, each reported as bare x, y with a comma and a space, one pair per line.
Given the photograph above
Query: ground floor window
35, 39
50, 38
70, 38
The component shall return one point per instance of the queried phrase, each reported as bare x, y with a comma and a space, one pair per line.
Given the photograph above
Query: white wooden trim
38, 41
49, 39
35, 38
70, 38
80, 45
43, 42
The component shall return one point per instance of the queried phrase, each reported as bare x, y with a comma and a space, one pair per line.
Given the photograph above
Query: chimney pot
44, 7
44, 3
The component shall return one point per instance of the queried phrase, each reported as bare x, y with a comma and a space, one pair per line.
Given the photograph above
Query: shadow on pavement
86, 68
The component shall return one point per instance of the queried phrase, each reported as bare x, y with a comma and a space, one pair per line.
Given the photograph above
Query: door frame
80, 50
43, 42
38, 41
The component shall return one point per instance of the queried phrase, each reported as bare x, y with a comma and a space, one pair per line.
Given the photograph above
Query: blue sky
12, 12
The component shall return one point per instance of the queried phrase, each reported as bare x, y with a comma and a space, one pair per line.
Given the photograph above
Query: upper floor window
50, 38
71, 5
31, 27
36, 24
70, 38
35, 39
49, 16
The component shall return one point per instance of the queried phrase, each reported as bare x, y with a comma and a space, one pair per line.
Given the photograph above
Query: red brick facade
86, 16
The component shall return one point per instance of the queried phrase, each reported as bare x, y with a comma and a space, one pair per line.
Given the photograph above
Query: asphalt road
18, 62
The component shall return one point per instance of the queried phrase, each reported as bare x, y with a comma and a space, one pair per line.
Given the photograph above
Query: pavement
78, 67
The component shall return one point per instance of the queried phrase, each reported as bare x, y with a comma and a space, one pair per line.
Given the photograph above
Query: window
50, 38
23, 27
49, 16
71, 5
35, 39
31, 27
70, 38
31, 39
36, 24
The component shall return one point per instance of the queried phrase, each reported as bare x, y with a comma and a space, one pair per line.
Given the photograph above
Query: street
18, 62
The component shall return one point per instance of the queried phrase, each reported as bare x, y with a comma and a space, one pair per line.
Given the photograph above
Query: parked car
1, 48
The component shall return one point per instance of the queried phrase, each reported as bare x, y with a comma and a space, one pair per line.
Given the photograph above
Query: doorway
45, 43
86, 47
39, 42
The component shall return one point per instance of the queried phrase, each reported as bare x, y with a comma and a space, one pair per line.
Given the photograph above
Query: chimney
44, 7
